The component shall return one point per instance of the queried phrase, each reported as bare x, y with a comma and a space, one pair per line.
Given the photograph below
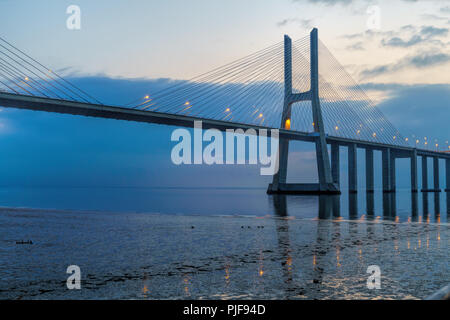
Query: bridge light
314, 124
406, 139
227, 110
287, 124
437, 145
147, 97
374, 134
395, 137
358, 132
26, 79
260, 115
417, 141
187, 103
337, 128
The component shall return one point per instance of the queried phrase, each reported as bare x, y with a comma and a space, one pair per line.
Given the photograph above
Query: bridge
284, 86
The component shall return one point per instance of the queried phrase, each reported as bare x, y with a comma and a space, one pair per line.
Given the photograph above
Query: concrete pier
437, 187
392, 178
414, 183
447, 175
352, 168
425, 187
369, 171
386, 169
335, 164
424, 174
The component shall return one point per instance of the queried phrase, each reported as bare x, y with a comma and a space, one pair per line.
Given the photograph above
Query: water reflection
396, 207
370, 204
448, 204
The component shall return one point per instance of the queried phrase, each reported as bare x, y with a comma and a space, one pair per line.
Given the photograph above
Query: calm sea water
149, 243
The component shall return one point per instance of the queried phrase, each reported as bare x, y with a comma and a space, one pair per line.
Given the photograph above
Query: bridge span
281, 87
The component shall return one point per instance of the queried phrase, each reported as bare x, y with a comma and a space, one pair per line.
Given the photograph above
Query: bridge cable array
22, 74
251, 91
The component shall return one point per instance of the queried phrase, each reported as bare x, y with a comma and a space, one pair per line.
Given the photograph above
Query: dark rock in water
24, 242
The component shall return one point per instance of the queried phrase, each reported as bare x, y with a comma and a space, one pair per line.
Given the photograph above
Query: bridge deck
120, 113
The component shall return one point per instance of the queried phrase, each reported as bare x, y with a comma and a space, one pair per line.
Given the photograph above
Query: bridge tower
326, 184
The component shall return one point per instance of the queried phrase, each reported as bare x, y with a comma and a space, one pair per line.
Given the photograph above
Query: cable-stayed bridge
297, 87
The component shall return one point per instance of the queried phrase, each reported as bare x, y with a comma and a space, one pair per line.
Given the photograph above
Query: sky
125, 49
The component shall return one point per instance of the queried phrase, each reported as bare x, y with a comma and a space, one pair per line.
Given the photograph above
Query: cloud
330, 2
304, 23
419, 61
356, 46
418, 109
424, 34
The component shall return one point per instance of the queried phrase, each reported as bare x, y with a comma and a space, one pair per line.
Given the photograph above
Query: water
138, 243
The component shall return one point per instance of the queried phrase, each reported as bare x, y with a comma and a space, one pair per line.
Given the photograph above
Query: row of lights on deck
287, 124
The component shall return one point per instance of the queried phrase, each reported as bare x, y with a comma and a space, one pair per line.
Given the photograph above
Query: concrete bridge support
386, 170
369, 171
437, 187
392, 178
352, 168
424, 174
414, 183
326, 184
335, 164
447, 175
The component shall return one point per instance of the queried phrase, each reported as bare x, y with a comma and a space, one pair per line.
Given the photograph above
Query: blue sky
124, 47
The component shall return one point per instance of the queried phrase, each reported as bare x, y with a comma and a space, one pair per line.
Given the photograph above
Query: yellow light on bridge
260, 115
437, 145
187, 103
417, 141
337, 128
426, 142
227, 110
358, 132
395, 137
374, 134
26, 79
287, 124
147, 97
406, 139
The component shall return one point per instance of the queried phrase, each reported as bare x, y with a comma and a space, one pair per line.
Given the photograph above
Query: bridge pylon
325, 184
